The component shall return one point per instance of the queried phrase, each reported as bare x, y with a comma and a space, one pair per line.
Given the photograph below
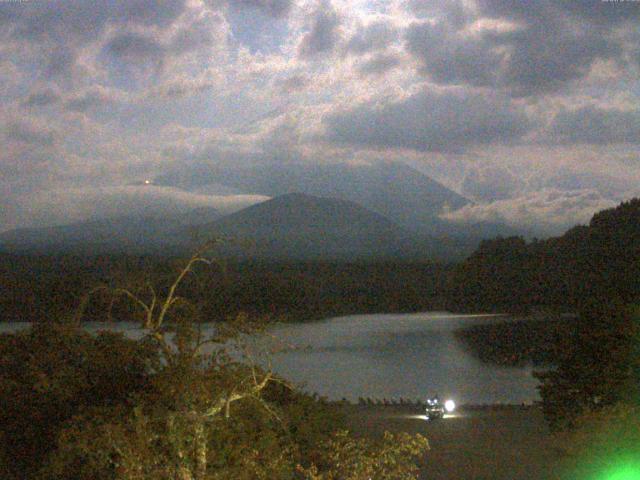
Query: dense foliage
37, 287
591, 270
53, 372
176, 404
536, 340
599, 260
599, 364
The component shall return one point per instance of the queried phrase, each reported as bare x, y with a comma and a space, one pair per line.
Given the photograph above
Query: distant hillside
601, 260
289, 227
131, 234
402, 194
299, 226
35, 287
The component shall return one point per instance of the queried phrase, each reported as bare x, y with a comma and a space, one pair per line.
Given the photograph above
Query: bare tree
224, 360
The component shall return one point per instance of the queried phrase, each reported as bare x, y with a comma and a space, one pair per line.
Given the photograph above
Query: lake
392, 356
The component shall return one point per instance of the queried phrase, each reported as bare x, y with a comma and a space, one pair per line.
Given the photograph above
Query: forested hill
599, 260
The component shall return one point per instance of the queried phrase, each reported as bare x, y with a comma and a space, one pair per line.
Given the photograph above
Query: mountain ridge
301, 227
401, 193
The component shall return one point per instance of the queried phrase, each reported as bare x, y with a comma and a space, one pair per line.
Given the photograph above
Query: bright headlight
449, 406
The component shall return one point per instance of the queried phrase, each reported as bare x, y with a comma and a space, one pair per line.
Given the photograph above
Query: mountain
293, 226
299, 226
407, 197
131, 234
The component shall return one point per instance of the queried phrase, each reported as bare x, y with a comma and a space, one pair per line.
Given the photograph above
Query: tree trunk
201, 452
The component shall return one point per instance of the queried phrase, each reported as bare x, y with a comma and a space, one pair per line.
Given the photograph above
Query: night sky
531, 109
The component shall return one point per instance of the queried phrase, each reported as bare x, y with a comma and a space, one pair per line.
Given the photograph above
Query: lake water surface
391, 356
387, 356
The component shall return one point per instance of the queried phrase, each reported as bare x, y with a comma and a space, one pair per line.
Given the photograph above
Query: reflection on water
392, 356
385, 356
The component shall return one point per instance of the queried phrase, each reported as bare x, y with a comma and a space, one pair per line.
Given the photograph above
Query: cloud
178, 88
134, 48
93, 98
450, 58
594, 125
57, 31
609, 186
29, 148
544, 58
598, 13
490, 183
380, 63
93, 90
54, 207
201, 32
520, 47
558, 41
377, 35
430, 122
60, 19
274, 8
292, 84
323, 34
454, 12
42, 98
60, 63
30, 132
545, 212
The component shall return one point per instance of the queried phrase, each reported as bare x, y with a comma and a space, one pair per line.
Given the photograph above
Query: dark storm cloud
380, 63
95, 97
59, 63
138, 51
30, 133
134, 56
558, 40
198, 35
452, 59
323, 35
274, 8
57, 29
549, 44
430, 122
47, 20
452, 11
544, 58
294, 83
133, 48
29, 149
592, 125
177, 89
375, 36
594, 11
41, 98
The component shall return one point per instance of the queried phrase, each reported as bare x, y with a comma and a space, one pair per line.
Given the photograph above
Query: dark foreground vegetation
590, 363
81, 407
536, 341
601, 260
